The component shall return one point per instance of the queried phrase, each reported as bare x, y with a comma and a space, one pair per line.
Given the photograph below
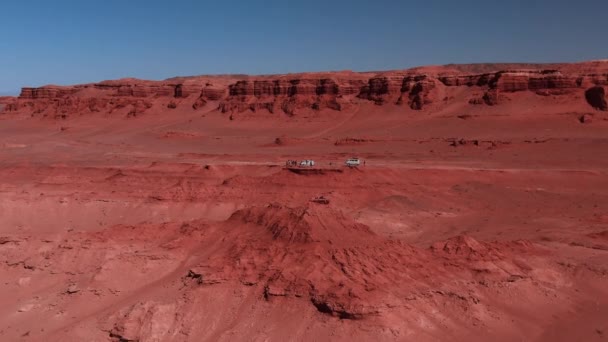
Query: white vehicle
307, 163
353, 162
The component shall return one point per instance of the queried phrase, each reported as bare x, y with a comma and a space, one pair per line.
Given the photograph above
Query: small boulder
26, 307
585, 118
72, 289
196, 276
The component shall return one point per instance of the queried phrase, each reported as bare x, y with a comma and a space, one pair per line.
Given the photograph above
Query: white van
353, 162
307, 163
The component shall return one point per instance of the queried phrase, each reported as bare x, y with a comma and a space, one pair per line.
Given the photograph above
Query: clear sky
66, 42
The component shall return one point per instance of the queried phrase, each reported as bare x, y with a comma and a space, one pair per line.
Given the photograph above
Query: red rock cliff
290, 94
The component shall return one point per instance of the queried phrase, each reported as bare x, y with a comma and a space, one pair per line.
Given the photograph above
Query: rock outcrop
419, 91
543, 82
596, 97
48, 92
289, 95
312, 92
411, 89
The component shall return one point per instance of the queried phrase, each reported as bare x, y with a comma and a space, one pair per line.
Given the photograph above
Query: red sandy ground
182, 225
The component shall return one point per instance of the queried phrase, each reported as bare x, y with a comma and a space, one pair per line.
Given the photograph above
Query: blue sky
67, 42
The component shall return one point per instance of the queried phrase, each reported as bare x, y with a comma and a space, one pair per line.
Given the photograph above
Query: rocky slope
419, 89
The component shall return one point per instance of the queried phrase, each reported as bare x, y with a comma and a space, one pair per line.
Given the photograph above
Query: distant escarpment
542, 82
419, 89
289, 95
415, 90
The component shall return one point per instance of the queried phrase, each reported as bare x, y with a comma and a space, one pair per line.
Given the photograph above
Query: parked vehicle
320, 200
307, 163
353, 162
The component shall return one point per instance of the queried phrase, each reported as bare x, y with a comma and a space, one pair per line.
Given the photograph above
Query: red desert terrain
137, 210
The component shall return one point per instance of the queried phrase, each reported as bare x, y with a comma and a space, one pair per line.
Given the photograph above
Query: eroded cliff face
290, 94
416, 89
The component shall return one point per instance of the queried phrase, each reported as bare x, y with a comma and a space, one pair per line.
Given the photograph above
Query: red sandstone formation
417, 88
596, 96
